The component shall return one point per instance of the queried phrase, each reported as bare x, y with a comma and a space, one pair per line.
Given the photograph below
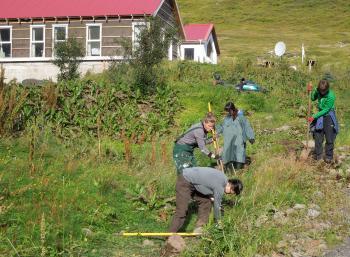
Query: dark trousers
184, 193
327, 132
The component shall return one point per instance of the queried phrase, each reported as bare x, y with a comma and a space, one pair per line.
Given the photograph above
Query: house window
189, 53
59, 34
209, 49
5, 41
137, 28
37, 41
93, 39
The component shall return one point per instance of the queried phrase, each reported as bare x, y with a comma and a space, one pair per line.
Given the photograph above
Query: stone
147, 243
314, 206
176, 243
299, 206
296, 254
312, 213
282, 244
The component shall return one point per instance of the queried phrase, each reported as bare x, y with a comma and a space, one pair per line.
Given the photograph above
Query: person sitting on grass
202, 183
236, 131
195, 137
324, 123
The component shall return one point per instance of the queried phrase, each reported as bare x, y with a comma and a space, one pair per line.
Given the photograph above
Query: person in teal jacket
236, 131
324, 122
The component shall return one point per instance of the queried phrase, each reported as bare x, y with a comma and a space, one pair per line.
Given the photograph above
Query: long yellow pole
160, 234
216, 145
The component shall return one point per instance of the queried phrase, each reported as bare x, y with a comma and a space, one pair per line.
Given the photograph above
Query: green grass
77, 190
251, 28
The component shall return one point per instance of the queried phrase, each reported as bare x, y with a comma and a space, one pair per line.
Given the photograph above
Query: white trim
136, 23
8, 42
159, 7
49, 59
53, 35
87, 41
31, 39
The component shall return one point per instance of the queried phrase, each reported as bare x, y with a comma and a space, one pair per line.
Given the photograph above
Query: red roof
64, 8
197, 32
200, 32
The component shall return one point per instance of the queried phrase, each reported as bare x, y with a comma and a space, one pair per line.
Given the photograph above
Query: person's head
323, 87
234, 186
231, 109
209, 121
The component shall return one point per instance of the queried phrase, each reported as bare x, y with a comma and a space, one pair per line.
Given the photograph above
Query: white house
200, 44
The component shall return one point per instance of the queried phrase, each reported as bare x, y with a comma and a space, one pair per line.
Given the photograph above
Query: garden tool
306, 151
215, 142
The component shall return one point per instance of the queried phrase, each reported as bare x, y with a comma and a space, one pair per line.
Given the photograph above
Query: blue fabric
319, 122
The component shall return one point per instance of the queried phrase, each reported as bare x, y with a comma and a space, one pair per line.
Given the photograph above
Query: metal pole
216, 145
160, 234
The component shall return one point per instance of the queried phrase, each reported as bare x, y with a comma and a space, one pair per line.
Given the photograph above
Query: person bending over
201, 183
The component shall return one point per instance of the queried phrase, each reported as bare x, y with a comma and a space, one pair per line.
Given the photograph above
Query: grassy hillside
62, 198
251, 27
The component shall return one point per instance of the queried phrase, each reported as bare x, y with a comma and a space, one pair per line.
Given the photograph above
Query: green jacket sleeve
326, 105
314, 94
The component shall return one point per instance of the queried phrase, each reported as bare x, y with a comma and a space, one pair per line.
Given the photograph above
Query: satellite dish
280, 48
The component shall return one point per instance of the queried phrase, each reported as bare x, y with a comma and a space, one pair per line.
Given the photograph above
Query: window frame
53, 36
93, 40
189, 48
133, 36
7, 42
31, 39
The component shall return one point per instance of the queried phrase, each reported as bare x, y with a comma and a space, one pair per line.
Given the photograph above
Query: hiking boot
328, 161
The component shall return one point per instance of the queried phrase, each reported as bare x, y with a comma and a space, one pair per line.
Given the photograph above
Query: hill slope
251, 27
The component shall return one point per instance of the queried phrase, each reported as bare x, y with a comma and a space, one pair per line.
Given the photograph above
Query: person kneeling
202, 183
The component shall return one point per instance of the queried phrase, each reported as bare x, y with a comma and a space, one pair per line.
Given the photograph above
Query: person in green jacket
236, 131
324, 123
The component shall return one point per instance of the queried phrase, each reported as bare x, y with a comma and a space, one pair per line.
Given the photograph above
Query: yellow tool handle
160, 234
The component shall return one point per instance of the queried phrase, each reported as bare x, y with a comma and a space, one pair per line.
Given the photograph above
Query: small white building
201, 44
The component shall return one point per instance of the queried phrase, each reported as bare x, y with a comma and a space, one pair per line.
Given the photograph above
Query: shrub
67, 56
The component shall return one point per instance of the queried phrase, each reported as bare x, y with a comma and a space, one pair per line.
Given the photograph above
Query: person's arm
199, 136
314, 94
218, 194
248, 130
327, 106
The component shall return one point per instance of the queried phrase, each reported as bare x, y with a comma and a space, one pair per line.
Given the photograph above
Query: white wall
200, 51
46, 70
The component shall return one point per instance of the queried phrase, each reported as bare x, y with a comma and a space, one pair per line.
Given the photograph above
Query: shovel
306, 151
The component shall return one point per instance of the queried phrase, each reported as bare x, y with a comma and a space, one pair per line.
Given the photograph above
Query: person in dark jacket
195, 137
324, 123
202, 183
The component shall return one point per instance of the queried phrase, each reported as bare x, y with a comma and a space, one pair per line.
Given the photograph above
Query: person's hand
310, 119
309, 87
214, 156
252, 141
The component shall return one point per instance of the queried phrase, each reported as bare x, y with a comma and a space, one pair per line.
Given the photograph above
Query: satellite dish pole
302, 53
280, 49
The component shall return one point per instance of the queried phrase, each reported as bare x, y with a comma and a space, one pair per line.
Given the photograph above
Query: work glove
310, 119
309, 87
215, 156
252, 141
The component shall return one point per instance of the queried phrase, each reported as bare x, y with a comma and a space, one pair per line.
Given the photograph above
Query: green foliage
147, 54
67, 55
